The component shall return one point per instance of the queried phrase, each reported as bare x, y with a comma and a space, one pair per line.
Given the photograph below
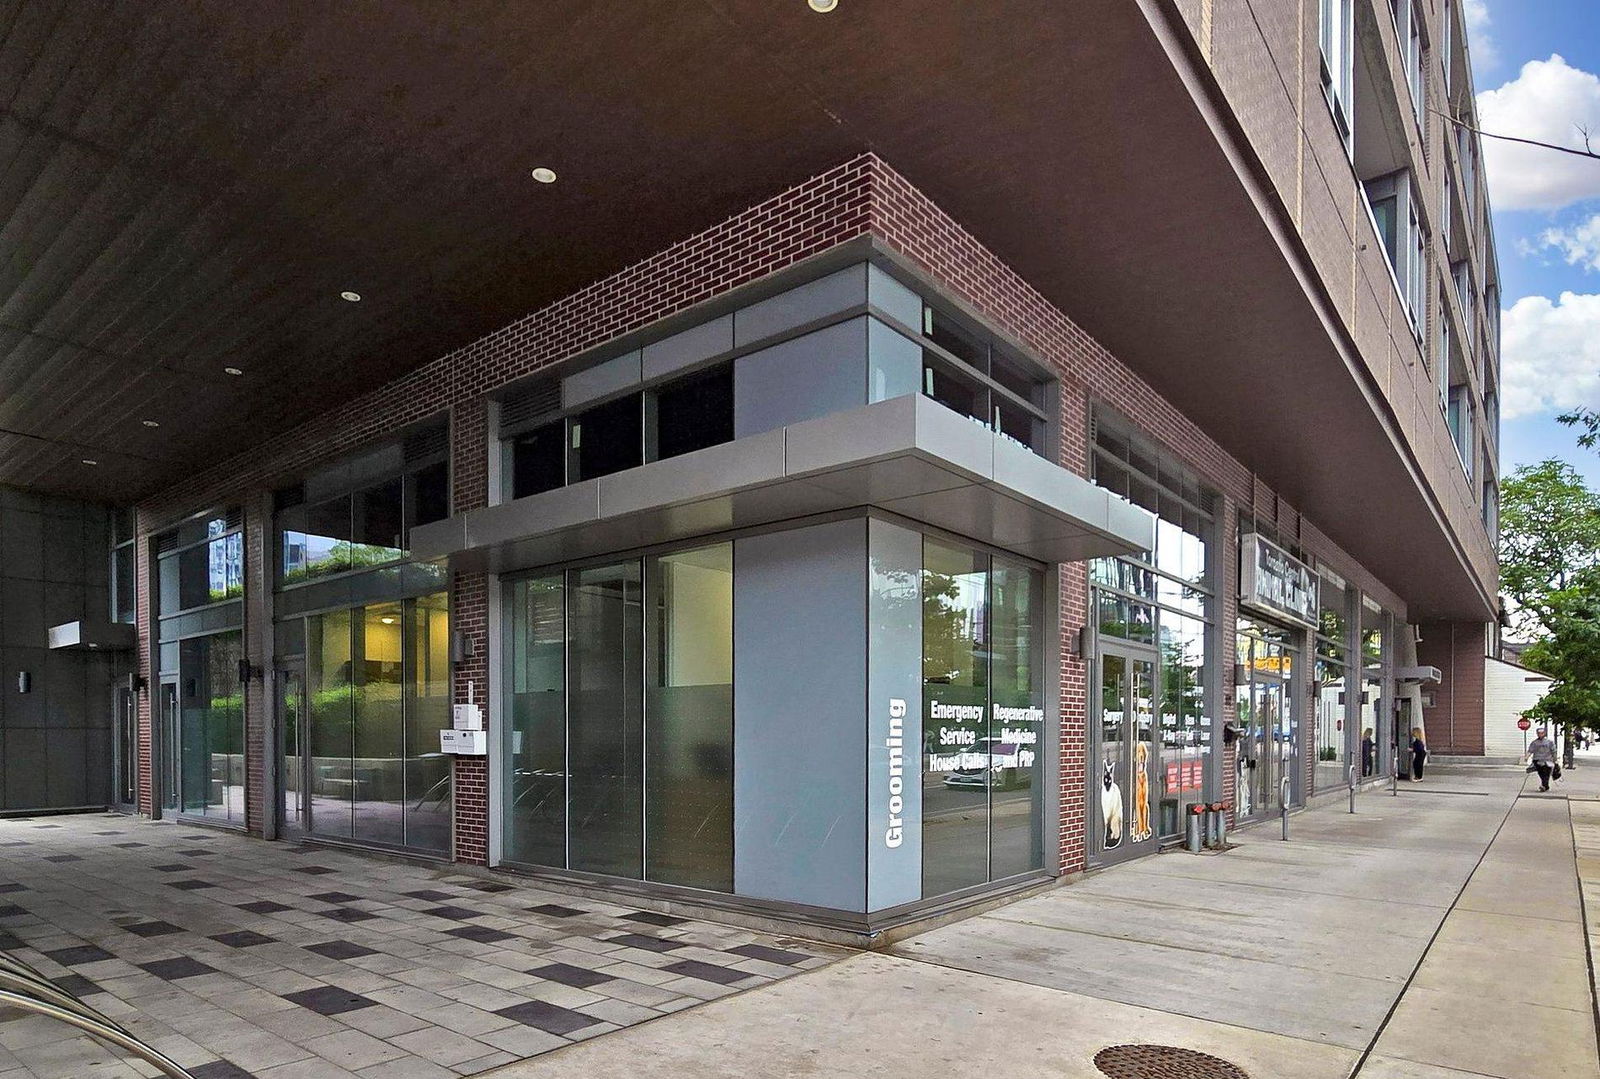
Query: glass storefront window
1016, 721
689, 719
377, 779
536, 754
427, 712
329, 739
211, 726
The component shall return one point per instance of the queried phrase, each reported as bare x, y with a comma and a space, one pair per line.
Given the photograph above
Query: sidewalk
1436, 934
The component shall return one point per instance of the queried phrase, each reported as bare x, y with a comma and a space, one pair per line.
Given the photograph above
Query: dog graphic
1141, 793
1111, 806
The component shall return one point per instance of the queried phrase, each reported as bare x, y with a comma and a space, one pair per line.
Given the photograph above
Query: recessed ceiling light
232, 371
387, 620
353, 297
150, 423
823, 6
87, 461
544, 175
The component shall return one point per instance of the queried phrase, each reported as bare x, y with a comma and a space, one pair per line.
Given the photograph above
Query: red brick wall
1454, 724
858, 196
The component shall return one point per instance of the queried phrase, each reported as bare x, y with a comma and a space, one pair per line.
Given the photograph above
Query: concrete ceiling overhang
190, 186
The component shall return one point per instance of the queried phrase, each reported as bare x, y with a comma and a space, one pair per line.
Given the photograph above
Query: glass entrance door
1268, 749
166, 722
1124, 769
125, 748
291, 725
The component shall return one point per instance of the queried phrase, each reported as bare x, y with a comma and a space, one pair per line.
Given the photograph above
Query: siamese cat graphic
1141, 793
1111, 806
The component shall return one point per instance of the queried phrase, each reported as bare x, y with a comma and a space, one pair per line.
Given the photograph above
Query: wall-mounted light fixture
463, 646
24, 682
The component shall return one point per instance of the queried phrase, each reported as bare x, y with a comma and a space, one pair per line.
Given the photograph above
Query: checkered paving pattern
241, 959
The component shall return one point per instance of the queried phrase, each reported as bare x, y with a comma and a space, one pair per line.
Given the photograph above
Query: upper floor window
200, 562
1459, 414
358, 515
1408, 27
1394, 214
1338, 60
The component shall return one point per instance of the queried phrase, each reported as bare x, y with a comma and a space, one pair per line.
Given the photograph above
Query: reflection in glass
606, 721
689, 723
1016, 723
211, 726
427, 779
693, 413
291, 712
377, 775
378, 525
955, 734
608, 438
536, 751
330, 707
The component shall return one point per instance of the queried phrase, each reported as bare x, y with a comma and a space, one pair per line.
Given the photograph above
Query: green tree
1587, 420
1549, 533
1570, 653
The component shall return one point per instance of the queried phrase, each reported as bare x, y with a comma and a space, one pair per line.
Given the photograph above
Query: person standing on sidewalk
1419, 753
1542, 755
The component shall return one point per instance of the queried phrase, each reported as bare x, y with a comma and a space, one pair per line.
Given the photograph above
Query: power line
1512, 138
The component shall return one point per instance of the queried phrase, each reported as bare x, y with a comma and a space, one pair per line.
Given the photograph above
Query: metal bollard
1192, 829
1283, 805
1352, 772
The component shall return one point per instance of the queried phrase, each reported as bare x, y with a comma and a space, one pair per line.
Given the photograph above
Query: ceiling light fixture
87, 461
544, 175
353, 297
387, 620
823, 6
150, 423
232, 371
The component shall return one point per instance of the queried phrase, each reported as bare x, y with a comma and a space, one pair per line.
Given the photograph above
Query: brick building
919, 475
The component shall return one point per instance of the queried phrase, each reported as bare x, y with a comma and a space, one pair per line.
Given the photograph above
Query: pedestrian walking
1369, 750
1419, 754
1542, 757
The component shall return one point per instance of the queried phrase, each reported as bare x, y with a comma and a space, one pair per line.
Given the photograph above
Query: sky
1536, 69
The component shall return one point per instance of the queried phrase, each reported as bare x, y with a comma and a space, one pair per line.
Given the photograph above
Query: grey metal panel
810, 376
93, 633
711, 471
838, 291
889, 428
894, 298
439, 538
689, 347
799, 730
894, 715
563, 507
601, 380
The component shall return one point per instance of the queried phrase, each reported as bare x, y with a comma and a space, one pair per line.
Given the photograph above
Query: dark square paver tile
114, 831
182, 967
62, 858
11, 887
189, 885
567, 974
244, 938
335, 897
313, 870
84, 953
197, 852
340, 949
220, 1069
556, 910
707, 972
455, 913
264, 906
11, 910
127, 846
155, 928
489, 886
329, 1000
769, 955
480, 933
77, 985
174, 867
548, 1017
429, 893
650, 917
346, 914
645, 941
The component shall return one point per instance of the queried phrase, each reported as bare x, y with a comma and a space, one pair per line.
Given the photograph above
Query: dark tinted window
954, 391
430, 494
123, 569
694, 413
964, 343
606, 439
538, 460
377, 525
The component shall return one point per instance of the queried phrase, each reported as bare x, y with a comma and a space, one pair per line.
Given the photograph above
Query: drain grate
1163, 1062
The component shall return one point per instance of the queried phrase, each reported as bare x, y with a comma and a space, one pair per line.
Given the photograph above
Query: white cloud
1578, 244
1550, 354
1479, 41
1548, 101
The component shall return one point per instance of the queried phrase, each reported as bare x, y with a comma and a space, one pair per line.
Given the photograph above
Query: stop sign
1523, 724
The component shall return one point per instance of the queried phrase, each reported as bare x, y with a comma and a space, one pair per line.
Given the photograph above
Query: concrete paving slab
879, 1015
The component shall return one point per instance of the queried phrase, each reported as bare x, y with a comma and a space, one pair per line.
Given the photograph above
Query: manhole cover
1163, 1062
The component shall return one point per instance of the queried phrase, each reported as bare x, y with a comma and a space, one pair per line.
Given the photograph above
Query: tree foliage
1587, 421
1549, 534
1570, 652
